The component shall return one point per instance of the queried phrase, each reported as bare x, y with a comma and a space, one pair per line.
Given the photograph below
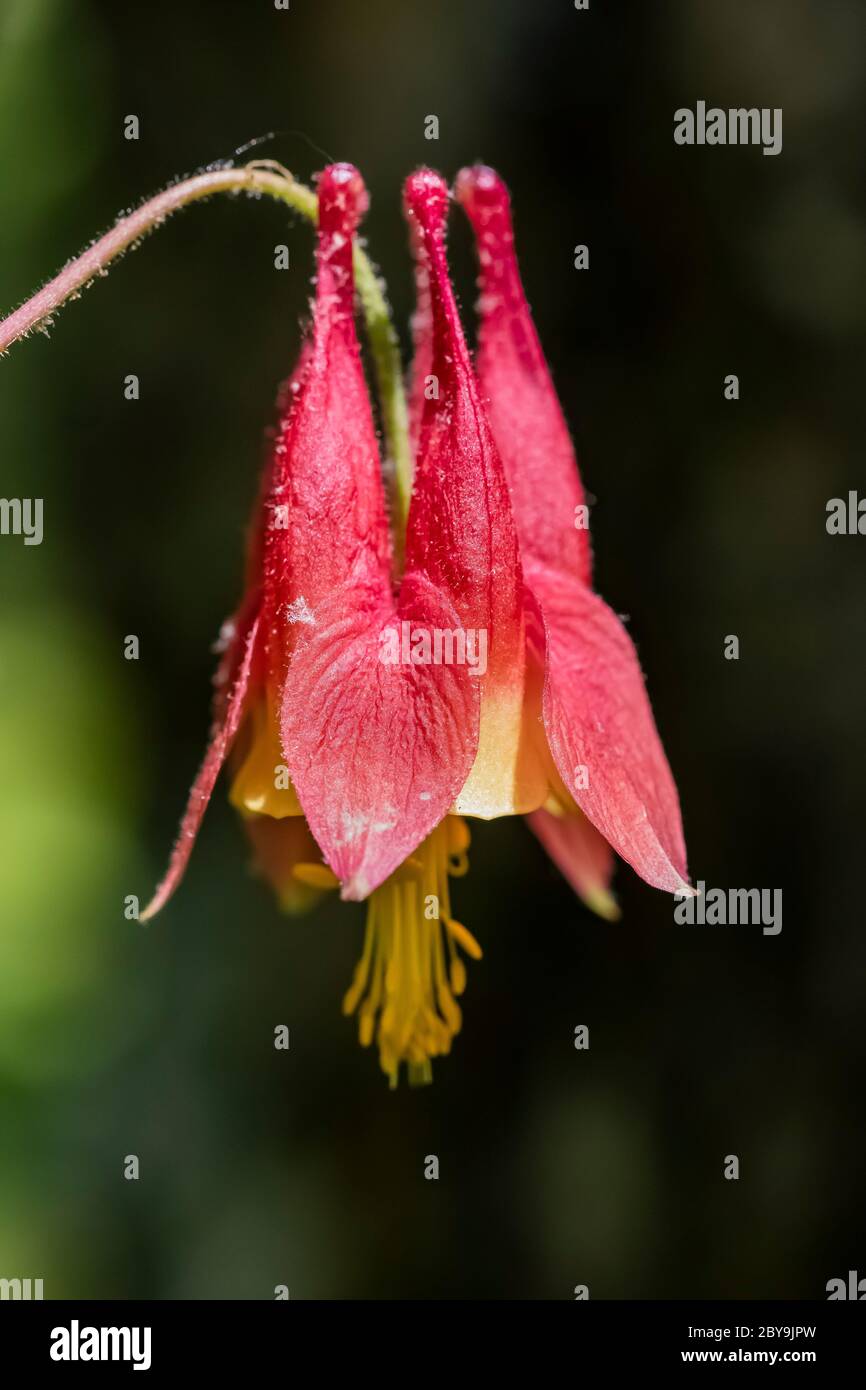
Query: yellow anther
261, 785
459, 837
316, 875
465, 938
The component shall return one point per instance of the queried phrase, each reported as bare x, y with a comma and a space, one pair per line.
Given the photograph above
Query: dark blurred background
558, 1167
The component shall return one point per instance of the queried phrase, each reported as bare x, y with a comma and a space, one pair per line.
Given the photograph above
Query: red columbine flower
367, 713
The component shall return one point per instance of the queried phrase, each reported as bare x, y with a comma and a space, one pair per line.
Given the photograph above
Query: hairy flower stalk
260, 178
357, 735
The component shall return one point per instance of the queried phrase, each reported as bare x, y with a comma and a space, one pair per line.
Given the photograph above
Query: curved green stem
257, 178
385, 350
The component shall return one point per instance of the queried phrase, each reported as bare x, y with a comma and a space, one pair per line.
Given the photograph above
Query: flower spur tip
426, 198
478, 186
343, 198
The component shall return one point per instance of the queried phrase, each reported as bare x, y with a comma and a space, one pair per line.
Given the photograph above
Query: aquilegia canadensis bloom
359, 724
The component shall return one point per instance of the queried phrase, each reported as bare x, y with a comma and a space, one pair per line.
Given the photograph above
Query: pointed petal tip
356, 889
603, 904
664, 874
157, 902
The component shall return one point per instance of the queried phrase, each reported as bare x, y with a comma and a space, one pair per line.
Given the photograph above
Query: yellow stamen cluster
406, 983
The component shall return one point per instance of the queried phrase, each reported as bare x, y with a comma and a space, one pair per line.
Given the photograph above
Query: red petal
522, 404
244, 662
600, 728
582, 856
377, 752
273, 474
422, 339
461, 532
326, 503
224, 731
460, 523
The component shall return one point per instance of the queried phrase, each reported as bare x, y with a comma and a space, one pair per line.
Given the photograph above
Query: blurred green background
557, 1167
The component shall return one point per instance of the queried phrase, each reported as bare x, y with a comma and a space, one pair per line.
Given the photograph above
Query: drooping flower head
365, 712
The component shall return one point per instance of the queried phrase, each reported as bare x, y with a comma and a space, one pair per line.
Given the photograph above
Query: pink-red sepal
225, 728
602, 734
582, 855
